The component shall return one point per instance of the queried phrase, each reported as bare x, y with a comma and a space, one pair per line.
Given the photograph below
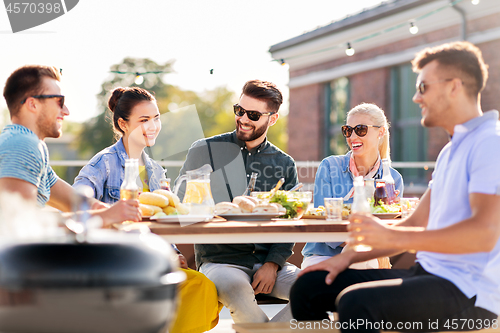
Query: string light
413, 28
349, 51
139, 76
139, 79
475, 2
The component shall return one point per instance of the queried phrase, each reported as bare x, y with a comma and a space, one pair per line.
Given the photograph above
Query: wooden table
220, 231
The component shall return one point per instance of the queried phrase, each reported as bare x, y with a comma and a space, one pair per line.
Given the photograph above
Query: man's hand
123, 210
265, 278
335, 265
366, 229
182, 261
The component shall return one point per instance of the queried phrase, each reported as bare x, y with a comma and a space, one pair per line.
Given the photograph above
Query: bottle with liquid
369, 188
129, 188
164, 181
385, 191
360, 205
251, 184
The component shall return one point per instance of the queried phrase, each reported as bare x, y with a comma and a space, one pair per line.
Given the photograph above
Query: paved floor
225, 324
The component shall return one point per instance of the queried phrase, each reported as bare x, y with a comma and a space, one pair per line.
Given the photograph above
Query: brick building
325, 83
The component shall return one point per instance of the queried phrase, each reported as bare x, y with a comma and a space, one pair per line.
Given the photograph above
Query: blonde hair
378, 117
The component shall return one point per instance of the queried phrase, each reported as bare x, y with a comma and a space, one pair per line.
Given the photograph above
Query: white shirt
468, 164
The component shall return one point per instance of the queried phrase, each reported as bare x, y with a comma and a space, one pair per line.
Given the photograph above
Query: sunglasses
422, 86
360, 130
252, 115
61, 98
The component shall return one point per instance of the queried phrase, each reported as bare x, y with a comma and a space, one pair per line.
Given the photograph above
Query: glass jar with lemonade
198, 196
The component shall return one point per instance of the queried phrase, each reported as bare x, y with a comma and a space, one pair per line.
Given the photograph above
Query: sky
232, 37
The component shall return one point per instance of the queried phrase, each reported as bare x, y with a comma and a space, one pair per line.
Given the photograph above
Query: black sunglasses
61, 98
422, 86
252, 115
360, 130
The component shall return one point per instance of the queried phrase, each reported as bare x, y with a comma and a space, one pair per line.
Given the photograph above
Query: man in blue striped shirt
37, 110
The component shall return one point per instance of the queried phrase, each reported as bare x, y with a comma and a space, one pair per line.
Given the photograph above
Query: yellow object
149, 210
173, 199
199, 304
197, 191
154, 199
182, 209
169, 210
143, 174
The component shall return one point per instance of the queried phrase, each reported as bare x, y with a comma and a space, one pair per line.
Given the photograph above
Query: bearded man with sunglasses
37, 110
241, 271
455, 229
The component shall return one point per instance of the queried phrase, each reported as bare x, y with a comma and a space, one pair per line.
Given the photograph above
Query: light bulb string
139, 73
372, 35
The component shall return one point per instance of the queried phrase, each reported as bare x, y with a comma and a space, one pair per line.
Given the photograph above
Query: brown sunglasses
360, 130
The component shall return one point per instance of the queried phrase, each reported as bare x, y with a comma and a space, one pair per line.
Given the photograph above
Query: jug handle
178, 183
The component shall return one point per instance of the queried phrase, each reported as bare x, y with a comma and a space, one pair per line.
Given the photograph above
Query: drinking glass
333, 208
408, 206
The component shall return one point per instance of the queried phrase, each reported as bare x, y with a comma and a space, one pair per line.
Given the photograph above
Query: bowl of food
295, 203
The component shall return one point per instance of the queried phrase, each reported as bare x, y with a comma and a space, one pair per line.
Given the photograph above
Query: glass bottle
129, 188
360, 205
385, 189
164, 181
251, 184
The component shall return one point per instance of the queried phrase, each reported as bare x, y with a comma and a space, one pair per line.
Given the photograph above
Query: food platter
181, 218
383, 216
251, 216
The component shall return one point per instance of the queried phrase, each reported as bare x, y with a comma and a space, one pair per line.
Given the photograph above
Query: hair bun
115, 96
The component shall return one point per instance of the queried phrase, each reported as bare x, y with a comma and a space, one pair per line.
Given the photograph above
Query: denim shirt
106, 170
335, 180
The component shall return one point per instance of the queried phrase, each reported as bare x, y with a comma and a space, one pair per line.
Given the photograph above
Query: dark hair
123, 100
24, 82
463, 59
264, 91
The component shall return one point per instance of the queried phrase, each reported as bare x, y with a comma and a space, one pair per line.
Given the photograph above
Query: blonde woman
367, 135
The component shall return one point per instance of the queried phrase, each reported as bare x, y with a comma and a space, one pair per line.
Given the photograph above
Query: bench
280, 328
306, 326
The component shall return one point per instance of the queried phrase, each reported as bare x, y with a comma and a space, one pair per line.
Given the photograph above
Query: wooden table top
219, 230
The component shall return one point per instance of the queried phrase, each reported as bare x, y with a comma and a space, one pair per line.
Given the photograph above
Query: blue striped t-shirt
24, 156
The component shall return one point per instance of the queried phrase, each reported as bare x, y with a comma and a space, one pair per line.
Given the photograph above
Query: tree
98, 132
214, 113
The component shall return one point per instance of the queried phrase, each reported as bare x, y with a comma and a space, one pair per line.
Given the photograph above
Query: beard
256, 133
49, 128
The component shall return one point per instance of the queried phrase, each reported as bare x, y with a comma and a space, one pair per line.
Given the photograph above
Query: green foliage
180, 129
98, 132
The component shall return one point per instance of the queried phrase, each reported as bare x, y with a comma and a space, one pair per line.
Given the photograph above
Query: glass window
337, 106
408, 136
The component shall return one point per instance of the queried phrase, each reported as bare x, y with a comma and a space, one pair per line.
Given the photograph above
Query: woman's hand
182, 261
122, 210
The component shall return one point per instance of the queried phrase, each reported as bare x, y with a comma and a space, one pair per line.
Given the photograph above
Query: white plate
182, 218
387, 216
250, 216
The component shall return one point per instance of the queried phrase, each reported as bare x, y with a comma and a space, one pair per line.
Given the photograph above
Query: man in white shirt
455, 228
